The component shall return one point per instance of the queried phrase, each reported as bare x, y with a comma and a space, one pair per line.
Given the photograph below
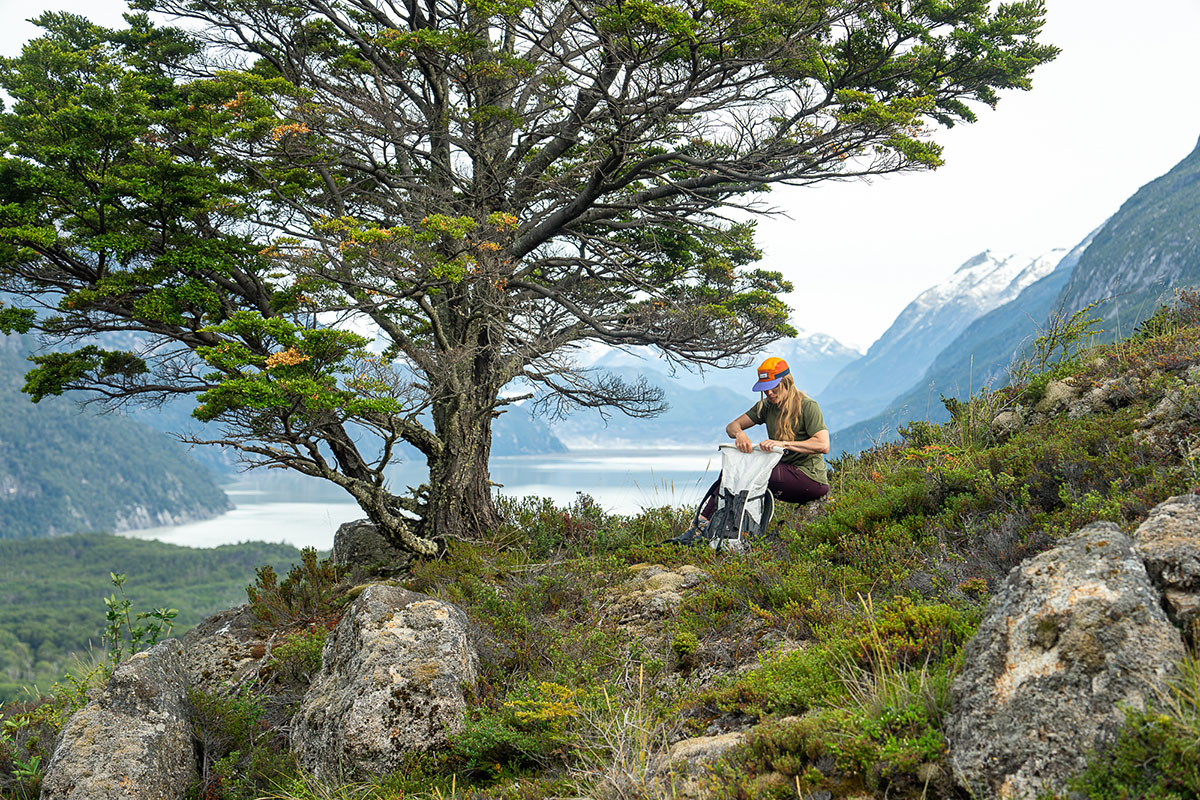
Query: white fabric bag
744, 506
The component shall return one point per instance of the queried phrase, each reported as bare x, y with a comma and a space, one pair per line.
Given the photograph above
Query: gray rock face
1071, 637
132, 743
1169, 544
223, 650
360, 545
390, 684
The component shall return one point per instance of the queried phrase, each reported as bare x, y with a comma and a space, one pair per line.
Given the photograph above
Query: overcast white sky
1119, 107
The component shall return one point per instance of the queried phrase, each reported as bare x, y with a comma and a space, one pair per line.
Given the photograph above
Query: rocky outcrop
1058, 396
685, 772
391, 684
1168, 542
654, 592
359, 545
1071, 638
133, 742
223, 650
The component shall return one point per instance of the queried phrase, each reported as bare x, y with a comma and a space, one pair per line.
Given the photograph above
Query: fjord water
274, 506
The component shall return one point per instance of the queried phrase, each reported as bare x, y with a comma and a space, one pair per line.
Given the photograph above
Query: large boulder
1070, 639
391, 684
133, 742
223, 650
360, 546
1169, 544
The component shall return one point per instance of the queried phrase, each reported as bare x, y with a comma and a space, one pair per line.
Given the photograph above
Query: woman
795, 424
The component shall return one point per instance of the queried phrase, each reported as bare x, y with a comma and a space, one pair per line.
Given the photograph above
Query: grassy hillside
832, 644
52, 594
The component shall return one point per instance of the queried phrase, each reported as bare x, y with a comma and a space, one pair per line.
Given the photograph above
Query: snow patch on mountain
924, 328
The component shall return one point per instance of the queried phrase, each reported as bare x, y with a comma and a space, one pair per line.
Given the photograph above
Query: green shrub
240, 755
1157, 756
903, 633
791, 683
308, 590
297, 657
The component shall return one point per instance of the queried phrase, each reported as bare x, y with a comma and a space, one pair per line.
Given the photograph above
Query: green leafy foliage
306, 592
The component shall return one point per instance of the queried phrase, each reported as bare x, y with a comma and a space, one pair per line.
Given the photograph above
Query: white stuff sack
742, 499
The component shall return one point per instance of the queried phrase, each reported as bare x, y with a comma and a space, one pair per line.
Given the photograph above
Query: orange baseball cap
770, 373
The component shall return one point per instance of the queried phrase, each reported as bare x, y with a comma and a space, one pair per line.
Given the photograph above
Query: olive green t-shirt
811, 422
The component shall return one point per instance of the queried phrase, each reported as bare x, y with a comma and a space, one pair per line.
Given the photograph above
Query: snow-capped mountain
925, 327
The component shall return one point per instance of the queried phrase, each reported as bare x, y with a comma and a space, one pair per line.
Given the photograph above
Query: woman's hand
743, 442
771, 444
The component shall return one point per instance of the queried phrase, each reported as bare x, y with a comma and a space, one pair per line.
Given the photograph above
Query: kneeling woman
795, 424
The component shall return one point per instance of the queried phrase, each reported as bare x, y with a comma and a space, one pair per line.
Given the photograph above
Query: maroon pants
787, 483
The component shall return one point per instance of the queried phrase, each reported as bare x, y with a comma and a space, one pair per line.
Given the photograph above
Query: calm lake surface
274, 506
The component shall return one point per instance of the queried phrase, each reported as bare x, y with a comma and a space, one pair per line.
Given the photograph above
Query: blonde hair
789, 410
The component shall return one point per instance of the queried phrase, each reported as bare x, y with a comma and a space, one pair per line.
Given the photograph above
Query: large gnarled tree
478, 185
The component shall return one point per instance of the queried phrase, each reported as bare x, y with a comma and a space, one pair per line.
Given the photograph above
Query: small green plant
240, 756
307, 591
1063, 337
122, 634
1157, 756
684, 645
26, 736
298, 655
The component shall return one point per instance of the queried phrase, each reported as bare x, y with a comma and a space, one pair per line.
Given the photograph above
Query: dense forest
64, 469
52, 594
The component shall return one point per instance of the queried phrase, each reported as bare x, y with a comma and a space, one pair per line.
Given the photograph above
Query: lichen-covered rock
391, 683
133, 742
1058, 396
1071, 638
685, 772
1006, 423
223, 650
654, 592
360, 545
1168, 542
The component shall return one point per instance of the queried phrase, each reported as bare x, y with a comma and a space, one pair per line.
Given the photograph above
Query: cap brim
762, 386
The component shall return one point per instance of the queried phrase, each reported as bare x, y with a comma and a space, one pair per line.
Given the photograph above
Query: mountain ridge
924, 327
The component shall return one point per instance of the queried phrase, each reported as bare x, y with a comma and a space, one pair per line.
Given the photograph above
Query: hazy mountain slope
694, 417
924, 328
813, 358
979, 356
1130, 265
516, 433
64, 470
1150, 247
